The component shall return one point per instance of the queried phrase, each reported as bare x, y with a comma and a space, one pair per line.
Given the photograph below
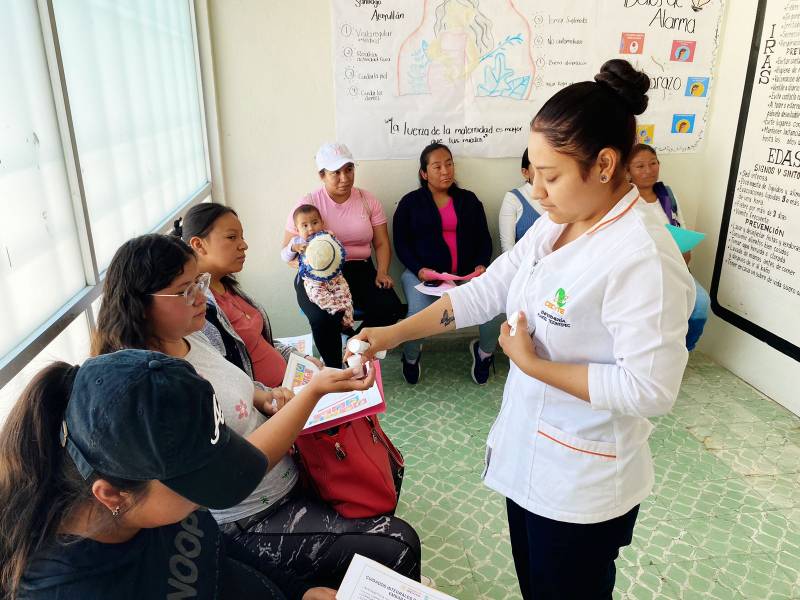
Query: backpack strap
366, 205
519, 196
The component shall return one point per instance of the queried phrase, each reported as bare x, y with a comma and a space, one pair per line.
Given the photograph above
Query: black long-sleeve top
418, 239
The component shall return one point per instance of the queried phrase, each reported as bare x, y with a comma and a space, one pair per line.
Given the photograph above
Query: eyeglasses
200, 286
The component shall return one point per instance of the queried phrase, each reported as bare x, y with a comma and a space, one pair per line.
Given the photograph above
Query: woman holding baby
358, 221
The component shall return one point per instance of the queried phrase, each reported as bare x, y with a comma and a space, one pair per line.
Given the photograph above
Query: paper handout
440, 289
368, 580
448, 276
333, 409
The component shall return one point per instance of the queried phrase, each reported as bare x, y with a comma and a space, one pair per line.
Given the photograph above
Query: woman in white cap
358, 221
104, 467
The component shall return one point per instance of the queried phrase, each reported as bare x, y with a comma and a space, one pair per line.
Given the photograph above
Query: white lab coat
618, 299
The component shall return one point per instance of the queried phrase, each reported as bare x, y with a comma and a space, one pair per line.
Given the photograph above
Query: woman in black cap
153, 298
103, 469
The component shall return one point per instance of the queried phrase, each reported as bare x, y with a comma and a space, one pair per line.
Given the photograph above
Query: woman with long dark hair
598, 297
442, 227
236, 324
103, 468
154, 287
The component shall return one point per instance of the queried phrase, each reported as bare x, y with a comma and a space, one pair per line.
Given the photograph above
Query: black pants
306, 539
566, 560
379, 306
239, 581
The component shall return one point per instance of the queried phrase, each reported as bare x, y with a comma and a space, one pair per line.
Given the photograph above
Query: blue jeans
417, 301
699, 316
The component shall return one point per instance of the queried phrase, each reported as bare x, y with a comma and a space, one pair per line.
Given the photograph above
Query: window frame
81, 303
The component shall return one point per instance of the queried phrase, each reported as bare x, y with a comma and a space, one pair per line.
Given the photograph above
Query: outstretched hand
329, 381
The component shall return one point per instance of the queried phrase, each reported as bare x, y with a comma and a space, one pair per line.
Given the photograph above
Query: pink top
351, 221
449, 223
268, 364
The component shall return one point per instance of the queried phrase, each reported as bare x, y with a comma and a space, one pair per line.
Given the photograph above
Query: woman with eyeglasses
358, 221
154, 298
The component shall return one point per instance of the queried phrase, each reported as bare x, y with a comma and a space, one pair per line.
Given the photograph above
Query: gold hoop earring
115, 512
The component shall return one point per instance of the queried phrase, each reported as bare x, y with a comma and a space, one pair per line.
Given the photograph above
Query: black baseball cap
142, 415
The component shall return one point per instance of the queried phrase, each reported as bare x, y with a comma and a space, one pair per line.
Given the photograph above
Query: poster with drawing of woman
458, 49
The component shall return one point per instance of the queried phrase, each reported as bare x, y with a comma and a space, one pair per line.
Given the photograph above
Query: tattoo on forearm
447, 319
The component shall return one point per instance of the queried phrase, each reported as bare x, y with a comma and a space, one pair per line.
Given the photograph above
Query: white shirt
618, 299
234, 391
510, 213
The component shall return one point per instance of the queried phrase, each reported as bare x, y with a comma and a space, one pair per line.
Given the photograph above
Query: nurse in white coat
604, 296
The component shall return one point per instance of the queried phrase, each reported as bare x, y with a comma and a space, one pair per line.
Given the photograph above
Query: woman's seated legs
325, 327
417, 301
380, 306
311, 541
489, 333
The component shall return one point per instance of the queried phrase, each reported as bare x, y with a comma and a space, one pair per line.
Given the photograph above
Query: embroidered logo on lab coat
558, 306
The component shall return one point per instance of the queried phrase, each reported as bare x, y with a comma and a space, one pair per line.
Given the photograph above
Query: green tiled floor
723, 521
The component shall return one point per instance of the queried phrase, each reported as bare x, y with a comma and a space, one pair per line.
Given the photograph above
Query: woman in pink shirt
441, 227
357, 219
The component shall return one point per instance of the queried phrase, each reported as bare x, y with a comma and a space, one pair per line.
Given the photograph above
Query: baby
321, 257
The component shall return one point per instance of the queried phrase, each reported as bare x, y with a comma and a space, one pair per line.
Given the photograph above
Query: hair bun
626, 82
177, 227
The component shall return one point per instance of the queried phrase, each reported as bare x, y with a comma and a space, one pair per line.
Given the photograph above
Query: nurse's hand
378, 338
519, 347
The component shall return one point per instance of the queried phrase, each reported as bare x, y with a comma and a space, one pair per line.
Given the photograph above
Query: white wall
276, 106
275, 99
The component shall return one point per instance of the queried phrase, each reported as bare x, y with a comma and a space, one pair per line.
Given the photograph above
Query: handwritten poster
756, 284
472, 73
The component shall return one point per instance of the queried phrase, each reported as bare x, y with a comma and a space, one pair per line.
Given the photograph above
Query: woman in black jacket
441, 227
